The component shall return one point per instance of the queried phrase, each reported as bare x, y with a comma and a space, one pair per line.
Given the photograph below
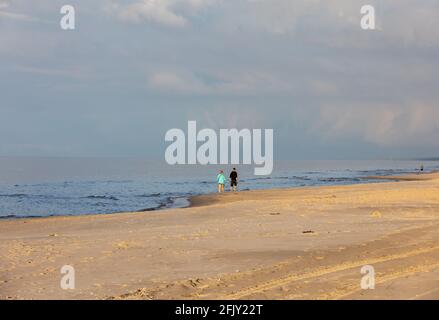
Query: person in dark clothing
233, 179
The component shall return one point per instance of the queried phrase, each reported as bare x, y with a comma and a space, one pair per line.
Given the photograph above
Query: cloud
286, 16
17, 16
155, 11
14, 11
409, 125
236, 82
171, 13
177, 82
305, 67
315, 21
412, 22
334, 23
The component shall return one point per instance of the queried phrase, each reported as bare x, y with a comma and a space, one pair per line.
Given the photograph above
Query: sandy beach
303, 243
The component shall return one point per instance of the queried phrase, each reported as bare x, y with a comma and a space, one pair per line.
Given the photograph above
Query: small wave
165, 203
169, 202
118, 181
259, 178
102, 197
17, 216
14, 195
100, 204
301, 178
149, 209
9, 216
149, 195
339, 179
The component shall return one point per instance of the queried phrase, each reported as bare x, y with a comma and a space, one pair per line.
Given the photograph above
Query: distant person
422, 168
233, 179
221, 179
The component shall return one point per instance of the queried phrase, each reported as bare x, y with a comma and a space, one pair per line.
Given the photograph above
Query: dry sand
306, 243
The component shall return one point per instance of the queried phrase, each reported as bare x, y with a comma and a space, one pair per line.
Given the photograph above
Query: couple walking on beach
221, 179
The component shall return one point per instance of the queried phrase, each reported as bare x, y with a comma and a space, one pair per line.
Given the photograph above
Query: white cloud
333, 23
236, 82
155, 11
170, 13
177, 82
16, 11
408, 125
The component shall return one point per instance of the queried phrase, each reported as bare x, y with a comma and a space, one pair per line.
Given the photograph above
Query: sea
50, 186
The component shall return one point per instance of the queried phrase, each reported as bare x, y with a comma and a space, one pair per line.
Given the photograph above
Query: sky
131, 70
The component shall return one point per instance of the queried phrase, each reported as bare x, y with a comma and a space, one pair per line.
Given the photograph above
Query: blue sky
134, 69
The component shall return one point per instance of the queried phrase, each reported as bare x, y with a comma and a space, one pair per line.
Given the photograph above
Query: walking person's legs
221, 180
233, 180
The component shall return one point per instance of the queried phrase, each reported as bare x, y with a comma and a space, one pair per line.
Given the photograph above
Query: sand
304, 243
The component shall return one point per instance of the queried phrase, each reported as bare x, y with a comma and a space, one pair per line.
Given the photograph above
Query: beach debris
53, 235
274, 213
376, 214
194, 282
142, 293
123, 245
307, 231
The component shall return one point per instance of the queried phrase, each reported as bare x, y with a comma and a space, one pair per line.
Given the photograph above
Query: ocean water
37, 187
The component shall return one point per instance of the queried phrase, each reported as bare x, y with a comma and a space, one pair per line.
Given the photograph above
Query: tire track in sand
338, 294
321, 272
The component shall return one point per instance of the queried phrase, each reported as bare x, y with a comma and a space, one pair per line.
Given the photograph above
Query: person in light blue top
221, 179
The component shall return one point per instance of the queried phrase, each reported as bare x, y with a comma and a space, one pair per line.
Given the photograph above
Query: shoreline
207, 198
213, 198
296, 243
419, 176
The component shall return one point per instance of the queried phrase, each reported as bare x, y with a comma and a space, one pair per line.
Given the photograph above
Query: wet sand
304, 243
